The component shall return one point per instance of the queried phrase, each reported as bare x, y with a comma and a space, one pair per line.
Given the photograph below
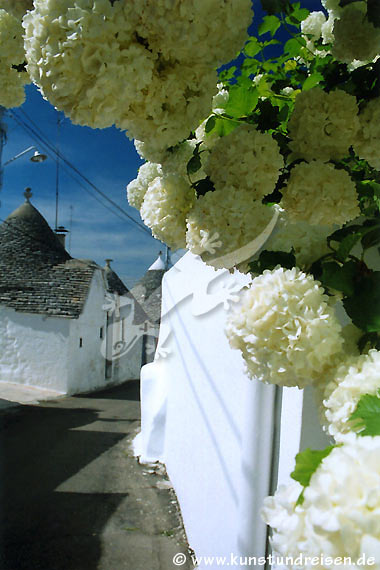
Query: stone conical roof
27, 239
114, 283
147, 292
37, 275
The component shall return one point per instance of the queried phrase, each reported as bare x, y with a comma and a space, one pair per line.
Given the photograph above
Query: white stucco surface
86, 367
122, 345
33, 349
204, 418
224, 438
66, 355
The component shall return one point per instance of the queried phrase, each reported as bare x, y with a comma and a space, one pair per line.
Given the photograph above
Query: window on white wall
80, 342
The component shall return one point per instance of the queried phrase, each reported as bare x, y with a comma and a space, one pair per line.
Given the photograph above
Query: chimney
61, 232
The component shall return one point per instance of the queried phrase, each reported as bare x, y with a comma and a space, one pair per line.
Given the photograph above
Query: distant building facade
61, 319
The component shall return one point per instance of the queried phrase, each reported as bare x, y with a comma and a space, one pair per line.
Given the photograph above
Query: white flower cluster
219, 103
358, 376
132, 64
308, 241
12, 54
367, 143
323, 125
175, 160
149, 151
231, 218
313, 28
247, 160
166, 204
355, 38
216, 29
312, 25
136, 189
320, 194
340, 515
285, 329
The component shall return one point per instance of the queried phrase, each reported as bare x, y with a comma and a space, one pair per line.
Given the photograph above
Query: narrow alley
73, 495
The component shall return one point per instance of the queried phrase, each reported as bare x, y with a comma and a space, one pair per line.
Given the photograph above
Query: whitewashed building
227, 441
61, 318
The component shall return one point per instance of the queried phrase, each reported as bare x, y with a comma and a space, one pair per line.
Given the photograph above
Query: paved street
73, 495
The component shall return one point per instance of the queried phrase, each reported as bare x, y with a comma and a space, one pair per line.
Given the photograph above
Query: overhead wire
44, 141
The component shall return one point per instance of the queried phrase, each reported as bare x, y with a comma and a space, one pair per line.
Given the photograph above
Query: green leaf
210, 125
364, 306
227, 74
373, 12
203, 186
366, 417
294, 46
300, 14
346, 245
340, 277
312, 81
371, 238
252, 47
307, 462
224, 126
270, 260
242, 101
194, 164
341, 234
269, 24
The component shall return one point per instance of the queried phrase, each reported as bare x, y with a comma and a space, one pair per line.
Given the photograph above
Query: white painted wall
33, 349
123, 345
220, 435
45, 352
86, 363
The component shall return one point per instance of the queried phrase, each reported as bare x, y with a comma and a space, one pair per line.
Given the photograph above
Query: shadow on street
42, 447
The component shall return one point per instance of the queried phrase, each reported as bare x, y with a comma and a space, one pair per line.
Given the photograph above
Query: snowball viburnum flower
90, 62
312, 28
132, 63
308, 241
312, 25
247, 160
217, 28
320, 194
367, 143
232, 215
355, 38
358, 376
11, 54
286, 331
323, 125
165, 207
137, 188
340, 514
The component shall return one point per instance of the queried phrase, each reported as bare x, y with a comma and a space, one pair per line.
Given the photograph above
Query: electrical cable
45, 142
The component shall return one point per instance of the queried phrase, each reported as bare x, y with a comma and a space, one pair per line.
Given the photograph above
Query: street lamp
37, 156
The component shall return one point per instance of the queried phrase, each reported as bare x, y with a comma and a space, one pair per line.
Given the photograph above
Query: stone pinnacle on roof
114, 283
28, 194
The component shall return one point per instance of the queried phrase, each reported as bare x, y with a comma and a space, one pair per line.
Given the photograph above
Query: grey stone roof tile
37, 275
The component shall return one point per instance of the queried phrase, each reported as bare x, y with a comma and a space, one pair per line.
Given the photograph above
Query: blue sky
107, 158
